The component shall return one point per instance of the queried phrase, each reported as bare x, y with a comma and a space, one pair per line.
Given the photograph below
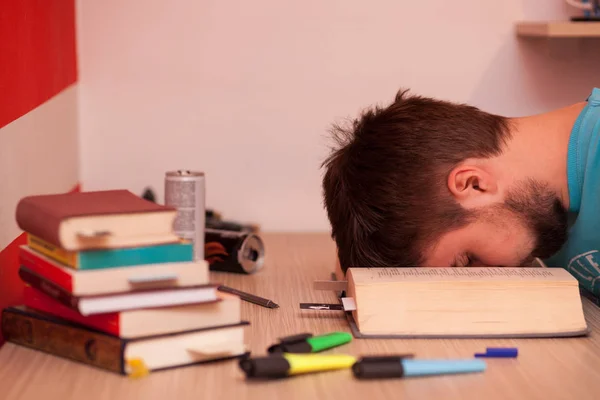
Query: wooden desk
545, 369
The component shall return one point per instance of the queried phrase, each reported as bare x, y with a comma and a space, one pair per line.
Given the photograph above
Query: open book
462, 302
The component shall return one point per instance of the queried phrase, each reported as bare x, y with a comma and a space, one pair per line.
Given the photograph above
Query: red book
144, 322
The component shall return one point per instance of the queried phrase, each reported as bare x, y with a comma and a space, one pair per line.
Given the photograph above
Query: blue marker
399, 367
499, 352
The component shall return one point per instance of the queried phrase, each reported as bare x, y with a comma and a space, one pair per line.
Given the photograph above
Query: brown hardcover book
44, 332
96, 220
463, 302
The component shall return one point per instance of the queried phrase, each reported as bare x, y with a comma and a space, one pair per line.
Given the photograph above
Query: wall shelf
558, 29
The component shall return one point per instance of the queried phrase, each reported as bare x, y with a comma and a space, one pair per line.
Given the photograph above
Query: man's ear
473, 186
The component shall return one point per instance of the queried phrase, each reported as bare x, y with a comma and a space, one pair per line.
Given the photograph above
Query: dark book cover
44, 332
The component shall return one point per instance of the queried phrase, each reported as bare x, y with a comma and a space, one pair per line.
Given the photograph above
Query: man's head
421, 183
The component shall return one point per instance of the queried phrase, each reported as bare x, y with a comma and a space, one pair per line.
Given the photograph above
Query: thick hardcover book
44, 332
113, 258
485, 302
96, 220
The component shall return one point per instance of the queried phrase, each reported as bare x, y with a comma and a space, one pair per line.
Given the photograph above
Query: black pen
249, 297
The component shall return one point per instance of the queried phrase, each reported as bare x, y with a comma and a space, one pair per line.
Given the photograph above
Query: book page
469, 274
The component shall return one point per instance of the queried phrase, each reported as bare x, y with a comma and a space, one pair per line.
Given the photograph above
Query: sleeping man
426, 182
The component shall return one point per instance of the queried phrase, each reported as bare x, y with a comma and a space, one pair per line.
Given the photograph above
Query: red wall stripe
11, 285
37, 53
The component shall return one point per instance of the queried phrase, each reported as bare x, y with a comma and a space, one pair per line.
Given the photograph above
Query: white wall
38, 155
246, 91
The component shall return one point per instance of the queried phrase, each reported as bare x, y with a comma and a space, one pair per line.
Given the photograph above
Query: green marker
307, 343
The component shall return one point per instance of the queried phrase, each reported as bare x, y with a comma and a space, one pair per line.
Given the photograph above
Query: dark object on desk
322, 306
499, 352
230, 225
265, 367
149, 195
307, 343
249, 297
214, 220
230, 251
379, 366
404, 366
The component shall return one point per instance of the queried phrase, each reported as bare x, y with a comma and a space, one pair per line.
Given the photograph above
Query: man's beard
543, 215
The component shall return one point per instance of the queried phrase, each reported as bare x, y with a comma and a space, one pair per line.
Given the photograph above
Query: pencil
249, 297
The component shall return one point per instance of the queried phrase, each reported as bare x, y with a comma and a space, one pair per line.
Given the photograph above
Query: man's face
530, 223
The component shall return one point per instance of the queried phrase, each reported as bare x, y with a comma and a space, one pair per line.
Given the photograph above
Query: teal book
114, 258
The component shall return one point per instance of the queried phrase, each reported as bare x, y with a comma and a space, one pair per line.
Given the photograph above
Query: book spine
68, 258
36, 220
134, 256
46, 269
105, 322
63, 340
113, 258
49, 288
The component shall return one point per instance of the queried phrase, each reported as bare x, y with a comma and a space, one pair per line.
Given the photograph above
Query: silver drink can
185, 191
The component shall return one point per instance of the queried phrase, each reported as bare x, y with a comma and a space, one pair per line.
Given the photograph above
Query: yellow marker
285, 364
137, 368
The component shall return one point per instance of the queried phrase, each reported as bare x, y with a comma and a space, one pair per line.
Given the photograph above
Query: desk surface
545, 368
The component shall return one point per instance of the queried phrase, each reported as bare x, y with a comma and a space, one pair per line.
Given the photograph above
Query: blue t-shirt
580, 255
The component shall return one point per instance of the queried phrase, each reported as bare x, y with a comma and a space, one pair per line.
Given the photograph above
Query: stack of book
108, 283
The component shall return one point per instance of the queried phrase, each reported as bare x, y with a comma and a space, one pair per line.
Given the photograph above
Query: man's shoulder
585, 148
588, 121
580, 255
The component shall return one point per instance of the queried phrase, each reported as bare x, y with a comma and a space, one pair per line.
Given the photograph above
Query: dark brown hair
384, 187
